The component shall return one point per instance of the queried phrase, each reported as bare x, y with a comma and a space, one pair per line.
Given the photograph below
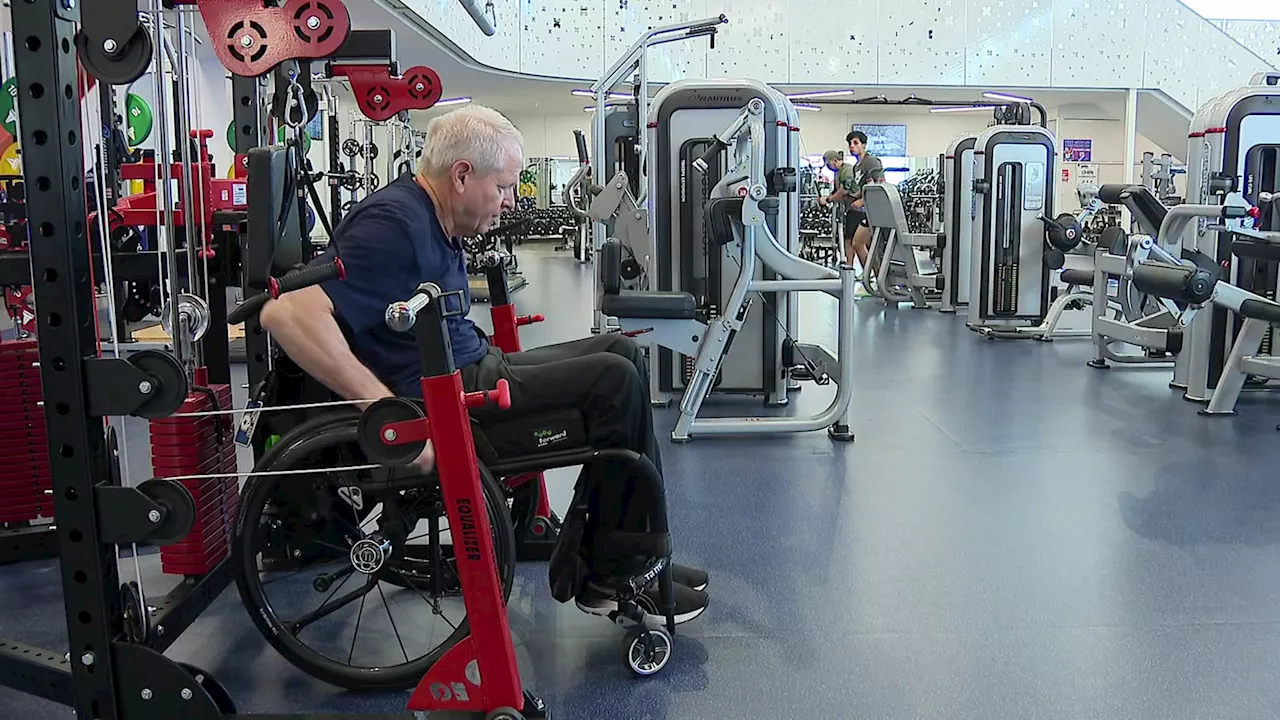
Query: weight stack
200, 446
26, 485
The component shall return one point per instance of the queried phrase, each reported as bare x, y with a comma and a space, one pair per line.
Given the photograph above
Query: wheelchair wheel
369, 597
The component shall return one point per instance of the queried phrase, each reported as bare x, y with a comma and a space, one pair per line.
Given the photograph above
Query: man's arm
304, 325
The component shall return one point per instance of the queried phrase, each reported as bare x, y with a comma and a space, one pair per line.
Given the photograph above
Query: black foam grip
1233, 212
306, 277
1111, 192
1261, 310
611, 266
713, 150
580, 140
1175, 282
247, 309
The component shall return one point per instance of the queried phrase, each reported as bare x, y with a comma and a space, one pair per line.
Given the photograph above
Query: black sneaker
690, 604
689, 577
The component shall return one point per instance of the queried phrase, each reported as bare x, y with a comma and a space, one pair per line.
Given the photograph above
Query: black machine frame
103, 675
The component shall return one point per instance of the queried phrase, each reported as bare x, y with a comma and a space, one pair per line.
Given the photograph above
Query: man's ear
461, 169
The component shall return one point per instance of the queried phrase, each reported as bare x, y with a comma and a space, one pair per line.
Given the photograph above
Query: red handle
500, 396
529, 319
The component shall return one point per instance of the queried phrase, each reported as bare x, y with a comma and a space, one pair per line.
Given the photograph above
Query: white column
1130, 136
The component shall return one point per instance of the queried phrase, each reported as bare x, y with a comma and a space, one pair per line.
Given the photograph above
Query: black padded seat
650, 305
1255, 250
1083, 278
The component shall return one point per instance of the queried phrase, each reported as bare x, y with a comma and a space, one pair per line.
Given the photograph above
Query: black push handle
289, 282
709, 156
580, 140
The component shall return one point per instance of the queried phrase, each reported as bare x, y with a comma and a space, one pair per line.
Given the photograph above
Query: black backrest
611, 266
721, 212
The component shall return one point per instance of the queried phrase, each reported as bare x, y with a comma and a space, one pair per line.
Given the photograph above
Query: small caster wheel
648, 651
504, 713
321, 583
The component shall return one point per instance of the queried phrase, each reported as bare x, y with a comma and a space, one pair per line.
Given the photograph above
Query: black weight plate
350, 147
168, 383
347, 206
179, 510
351, 183
216, 692
369, 432
371, 151
374, 182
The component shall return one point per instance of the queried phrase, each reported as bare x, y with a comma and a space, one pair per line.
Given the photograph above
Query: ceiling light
820, 94
1006, 98
965, 108
592, 108
808, 106
453, 101
582, 93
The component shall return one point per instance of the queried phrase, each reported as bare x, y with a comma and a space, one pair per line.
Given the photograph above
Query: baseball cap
833, 156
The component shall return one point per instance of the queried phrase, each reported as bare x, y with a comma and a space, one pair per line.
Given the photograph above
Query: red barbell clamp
500, 396
529, 319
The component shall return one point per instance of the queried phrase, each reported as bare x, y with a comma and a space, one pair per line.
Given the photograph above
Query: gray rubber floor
1012, 535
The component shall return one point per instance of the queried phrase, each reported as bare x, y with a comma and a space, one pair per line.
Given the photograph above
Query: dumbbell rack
182, 446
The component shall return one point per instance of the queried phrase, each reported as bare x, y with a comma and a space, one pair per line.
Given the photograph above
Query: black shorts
853, 219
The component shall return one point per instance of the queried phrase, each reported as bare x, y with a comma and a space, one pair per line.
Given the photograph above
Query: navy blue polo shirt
390, 243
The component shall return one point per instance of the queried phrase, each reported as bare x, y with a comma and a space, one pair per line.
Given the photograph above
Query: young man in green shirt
850, 179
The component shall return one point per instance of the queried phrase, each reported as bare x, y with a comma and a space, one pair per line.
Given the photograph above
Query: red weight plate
12, 512
191, 550
174, 563
26, 496
208, 535
179, 468
32, 475
24, 427
205, 460
26, 469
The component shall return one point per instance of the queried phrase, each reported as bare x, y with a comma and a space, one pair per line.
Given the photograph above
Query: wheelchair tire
330, 432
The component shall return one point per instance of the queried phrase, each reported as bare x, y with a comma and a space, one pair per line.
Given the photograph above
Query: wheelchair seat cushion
532, 434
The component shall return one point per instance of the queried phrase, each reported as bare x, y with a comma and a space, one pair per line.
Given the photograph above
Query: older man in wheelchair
591, 392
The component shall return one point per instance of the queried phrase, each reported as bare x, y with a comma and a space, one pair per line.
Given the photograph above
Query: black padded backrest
1111, 192
721, 212
611, 266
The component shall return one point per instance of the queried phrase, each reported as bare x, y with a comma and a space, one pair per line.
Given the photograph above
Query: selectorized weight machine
618, 140
743, 204
958, 199
1016, 239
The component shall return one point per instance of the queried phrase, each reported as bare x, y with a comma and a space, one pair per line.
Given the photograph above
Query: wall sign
1077, 150
885, 140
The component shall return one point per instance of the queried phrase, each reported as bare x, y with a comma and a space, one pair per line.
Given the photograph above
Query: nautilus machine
1016, 238
896, 273
1232, 156
747, 198
620, 146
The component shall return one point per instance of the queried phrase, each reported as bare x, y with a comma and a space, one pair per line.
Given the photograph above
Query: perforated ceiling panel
1171, 29
1097, 43
1008, 42
502, 49
754, 43
922, 42
1260, 36
843, 51
562, 38
1231, 67
626, 20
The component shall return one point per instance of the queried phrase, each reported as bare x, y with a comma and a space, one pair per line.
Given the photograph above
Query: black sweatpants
606, 378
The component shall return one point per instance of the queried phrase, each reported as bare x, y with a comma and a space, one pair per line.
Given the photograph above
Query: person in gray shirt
868, 169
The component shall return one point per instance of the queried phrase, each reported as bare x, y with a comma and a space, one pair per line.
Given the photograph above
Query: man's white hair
480, 135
